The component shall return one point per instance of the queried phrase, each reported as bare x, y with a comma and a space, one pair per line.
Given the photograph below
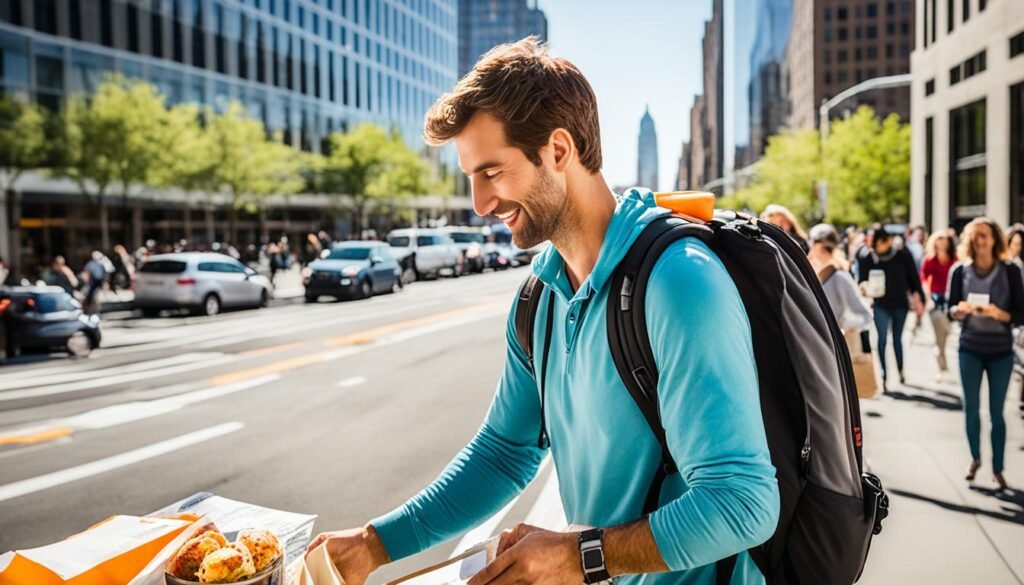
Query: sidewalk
287, 285
941, 530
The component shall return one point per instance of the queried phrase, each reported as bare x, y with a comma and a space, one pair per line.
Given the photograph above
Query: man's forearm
630, 549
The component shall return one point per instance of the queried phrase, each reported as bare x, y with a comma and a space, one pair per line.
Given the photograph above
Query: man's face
530, 199
880, 245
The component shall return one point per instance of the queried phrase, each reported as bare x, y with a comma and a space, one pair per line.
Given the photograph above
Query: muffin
227, 565
263, 545
186, 562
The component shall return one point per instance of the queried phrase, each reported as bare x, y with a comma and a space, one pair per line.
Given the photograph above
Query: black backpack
830, 508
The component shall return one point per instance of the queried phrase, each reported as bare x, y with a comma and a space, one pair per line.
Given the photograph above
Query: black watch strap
592, 556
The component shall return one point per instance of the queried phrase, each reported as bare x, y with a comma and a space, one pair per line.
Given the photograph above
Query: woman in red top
939, 258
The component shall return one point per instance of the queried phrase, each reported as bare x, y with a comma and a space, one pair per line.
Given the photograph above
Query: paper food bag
113, 551
316, 568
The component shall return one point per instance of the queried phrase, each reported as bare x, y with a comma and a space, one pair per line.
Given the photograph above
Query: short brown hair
998, 239
531, 92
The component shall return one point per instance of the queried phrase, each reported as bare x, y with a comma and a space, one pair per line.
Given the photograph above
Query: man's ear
563, 148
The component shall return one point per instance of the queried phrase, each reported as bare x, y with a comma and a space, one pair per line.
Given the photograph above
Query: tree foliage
23, 140
866, 163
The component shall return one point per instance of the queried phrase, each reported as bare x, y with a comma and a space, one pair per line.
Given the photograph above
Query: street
338, 409
346, 409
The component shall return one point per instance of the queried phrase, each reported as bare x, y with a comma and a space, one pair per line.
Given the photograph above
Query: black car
46, 318
353, 270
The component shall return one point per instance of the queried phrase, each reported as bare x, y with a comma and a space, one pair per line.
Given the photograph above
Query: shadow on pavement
1015, 516
935, 402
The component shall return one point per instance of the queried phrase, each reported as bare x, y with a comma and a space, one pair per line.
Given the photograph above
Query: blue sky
635, 53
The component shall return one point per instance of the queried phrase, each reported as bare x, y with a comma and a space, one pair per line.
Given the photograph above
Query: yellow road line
360, 338
40, 436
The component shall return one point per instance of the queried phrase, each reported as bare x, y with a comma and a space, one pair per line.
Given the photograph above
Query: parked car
46, 318
497, 256
201, 282
427, 252
353, 270
471, 242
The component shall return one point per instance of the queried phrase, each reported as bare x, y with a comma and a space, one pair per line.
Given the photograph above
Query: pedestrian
525, 126
840, 289
1015, 247
275, 258
94, 275
61, 275
312, 249
124, 269
888, 275
915, 243
987, 295
5, 272
940, 256
782, 217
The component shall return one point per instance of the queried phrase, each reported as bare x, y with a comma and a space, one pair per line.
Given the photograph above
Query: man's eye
491, 176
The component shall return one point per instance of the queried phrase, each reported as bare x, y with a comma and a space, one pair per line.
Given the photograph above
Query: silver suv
202, 282
428, 252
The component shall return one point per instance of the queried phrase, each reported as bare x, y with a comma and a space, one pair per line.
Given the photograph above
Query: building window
827, 55
967, 10
106, 24
841, 56
872, 32
857, 54
871, 53
132, 17
889, 51
157, 29
177, 33
198, 35
828, 14
890, 8
872, 10
981, 5
10, 11
842, 13
935, 18
841, 34
954, 75
967, 163
929, 169
13, 61
45, 16
949, 15
1017, 45
1017, 150
929, 87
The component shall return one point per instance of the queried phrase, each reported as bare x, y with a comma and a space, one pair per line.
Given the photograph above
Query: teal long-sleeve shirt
724, 499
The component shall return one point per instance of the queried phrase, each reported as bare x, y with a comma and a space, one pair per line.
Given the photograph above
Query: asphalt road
338, 409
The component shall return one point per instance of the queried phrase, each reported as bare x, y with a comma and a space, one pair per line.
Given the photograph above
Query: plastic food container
272, 575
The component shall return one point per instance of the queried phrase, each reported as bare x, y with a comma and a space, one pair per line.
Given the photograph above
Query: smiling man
525, 125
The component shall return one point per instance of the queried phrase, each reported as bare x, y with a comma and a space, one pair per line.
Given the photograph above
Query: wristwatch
592, 556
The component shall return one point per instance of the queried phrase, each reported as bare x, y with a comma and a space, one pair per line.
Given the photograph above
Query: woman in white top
841, 290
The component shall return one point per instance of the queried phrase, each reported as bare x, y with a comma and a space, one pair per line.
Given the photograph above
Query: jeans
883, 319
999, 367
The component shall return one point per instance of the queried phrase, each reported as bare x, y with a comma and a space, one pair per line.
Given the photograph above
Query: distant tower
647, 153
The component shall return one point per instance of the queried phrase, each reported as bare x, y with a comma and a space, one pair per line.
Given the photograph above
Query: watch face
593, 559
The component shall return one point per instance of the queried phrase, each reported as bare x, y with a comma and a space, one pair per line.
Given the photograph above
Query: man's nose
484, 201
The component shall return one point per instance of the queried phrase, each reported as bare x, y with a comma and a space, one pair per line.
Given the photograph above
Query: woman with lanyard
940, 256
985, 293
888, 275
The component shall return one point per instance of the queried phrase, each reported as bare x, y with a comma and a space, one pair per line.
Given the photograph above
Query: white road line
50, 480
119, 379
48, 378
486, 529
349, 382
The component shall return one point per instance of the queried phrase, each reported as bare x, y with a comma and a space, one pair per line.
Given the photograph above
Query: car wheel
460, 267
264, 299
397, 286
211, 305
151, 313
366, 289
312, 299
79, 345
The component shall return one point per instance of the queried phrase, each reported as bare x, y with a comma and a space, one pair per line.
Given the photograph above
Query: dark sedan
46, 318
353, 270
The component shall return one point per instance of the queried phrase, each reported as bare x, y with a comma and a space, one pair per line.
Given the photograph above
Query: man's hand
533, 555
356, 553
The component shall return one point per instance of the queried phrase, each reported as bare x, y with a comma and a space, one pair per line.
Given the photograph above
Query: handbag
864, 373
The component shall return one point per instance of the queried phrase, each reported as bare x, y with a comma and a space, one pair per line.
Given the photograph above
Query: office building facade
647, 153
486, 23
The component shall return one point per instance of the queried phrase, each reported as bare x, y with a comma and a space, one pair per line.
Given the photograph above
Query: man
525, 125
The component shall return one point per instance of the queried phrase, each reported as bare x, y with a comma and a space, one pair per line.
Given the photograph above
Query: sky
635, 53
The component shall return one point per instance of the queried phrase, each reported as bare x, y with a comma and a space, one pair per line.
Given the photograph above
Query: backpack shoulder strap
627, 330
826, 273
527, 302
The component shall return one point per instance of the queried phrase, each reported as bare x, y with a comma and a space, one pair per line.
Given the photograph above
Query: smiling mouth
510, 218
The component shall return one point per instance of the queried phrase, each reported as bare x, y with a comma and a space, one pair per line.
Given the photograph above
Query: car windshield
399, 241
164, 267
467, 238
349, 254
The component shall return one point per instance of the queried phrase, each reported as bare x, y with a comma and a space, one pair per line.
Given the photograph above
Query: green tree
188, 160
369, 164
23, 146
249, 167
116, 137
785, 175
867, 164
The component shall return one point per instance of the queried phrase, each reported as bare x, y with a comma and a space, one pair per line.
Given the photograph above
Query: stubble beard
546, 216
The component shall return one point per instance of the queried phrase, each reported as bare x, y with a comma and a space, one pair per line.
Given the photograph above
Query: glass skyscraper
304, 67
486, 23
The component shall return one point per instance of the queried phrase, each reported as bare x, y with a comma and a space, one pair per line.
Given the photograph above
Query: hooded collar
634, 209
